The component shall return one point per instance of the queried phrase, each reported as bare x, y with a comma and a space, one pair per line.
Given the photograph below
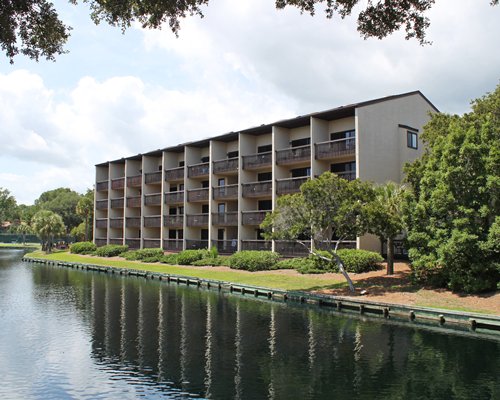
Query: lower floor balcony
253, 217
193, 244
133, 243
116, 223
173, 244
197, 220
347, 175
256, 245
101, 242
117, 241
291, 248
226, 246
133, 222
151, 243
173, 221
152, 221
225, 219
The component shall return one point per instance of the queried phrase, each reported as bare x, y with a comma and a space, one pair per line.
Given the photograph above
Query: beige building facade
217, 191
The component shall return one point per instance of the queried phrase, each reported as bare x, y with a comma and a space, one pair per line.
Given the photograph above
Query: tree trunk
390, 256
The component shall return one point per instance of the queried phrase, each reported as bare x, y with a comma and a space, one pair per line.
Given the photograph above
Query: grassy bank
20, 245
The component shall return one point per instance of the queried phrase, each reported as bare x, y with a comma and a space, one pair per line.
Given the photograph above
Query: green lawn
269, 279
20, 245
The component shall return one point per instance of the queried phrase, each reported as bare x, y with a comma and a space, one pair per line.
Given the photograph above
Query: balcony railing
116, 223
152, 221
118, 241
226, 246
133, 243
348, 175
117, 203
253, 217
258, 161
153, 177
228, 165
174, 197
345, 244
229, 192
172, 244
152, 199
292, 249
174, 174
134, 201
290, 185
134, 181
151, 243
173, 221
101, 204
335, 148
133, 222
198, 194
101, 242
118, 183
225, 219
101, 223
196, 244
197, 220
256, 245
293, 155
258, 189
198, 170
101, 186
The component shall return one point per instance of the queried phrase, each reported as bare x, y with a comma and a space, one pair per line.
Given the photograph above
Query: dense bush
110, 250
293, 263
82, 248
356, 261
211, 261
152, 259
187, 257
170, 259
130, 255
253, 260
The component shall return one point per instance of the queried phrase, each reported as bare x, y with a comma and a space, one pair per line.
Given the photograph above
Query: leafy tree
8, 205
327, 207
385, 214
79, 232
453, 215
47, 225
23, 228
33, 27
85, 209
62, 201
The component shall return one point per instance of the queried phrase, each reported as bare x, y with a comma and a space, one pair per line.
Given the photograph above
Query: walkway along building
216, 192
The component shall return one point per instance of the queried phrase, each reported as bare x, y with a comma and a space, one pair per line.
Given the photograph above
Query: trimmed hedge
170, 259
110, 250
187, 257
294, 263
212, 262
355, 261
83, 248
253, 260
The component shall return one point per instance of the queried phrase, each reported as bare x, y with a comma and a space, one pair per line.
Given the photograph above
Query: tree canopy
47, 225
62, 201
33, 27
8, 205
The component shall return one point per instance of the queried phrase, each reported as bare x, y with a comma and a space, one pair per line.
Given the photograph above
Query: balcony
197, 220
116, 223
117, 241
291, 248
335, 148
290, 185
174, 174
294, 155
117, 203
256, 245
134, 201
101, 223
258, 189
134, 181
172, 244
133, 243
133, 222
227, 165
101, 186
173, 221
199, 170
152, 199
117, 184
195, 195
152, 221
344, 244
347, 175
101, 204
151, 243
152, 177
258, 161
225, 219
253, 217
226, 246
174, 197
196, 244
229, 192
100, 242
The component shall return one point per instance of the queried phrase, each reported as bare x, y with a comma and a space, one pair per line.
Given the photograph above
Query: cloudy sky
245, 63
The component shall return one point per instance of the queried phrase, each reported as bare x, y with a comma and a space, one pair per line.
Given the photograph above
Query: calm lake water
70, 334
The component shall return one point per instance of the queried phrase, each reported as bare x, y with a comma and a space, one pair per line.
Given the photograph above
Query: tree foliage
47, 225
453, 215
85, 209
8, 205
62, 201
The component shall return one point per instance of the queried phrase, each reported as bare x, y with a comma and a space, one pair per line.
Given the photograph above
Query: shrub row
83, 248
253, 260
110, 250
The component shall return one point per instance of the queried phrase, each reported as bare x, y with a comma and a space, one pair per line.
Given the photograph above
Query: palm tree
47, 225
84, 208
23, 228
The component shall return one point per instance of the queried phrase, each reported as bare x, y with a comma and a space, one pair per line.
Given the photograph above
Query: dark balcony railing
348, 175
257, 189
173, 221
253, 217
134, 201
198, 170
101, 242
345, 244
172, 244
117, 183
225, 219
116, 223
117, 203
174, 174
101, 186
151, 243
258, 161
198, 194
101, 204
226, 246
133, 243
256, 245
153, 177
101, 223
229, 192
174, 197
134, 181
133, 222
290, 185
196, 244
293, 155
228, 165
152, 222
118, 241
152, 199
292, 249
197, 220
335, 148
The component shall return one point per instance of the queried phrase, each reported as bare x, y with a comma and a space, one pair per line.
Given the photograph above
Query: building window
351, 134
300, 142
412, 139
265, 148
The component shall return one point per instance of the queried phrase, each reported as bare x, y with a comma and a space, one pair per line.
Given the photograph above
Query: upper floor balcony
228, 192
133, 222
225, 218
118, 183
174, 174
225, 166
253, 217
151, 243
152, 177
258, 161
102, 186
335, 148
134, 181
173, 221
152, 199
294, 155
117, 203
134, 201
197, 219
174, 197
116, 223
198, 195
199, 170
290, 185
258, 189
101, 223
153, 221
101, 204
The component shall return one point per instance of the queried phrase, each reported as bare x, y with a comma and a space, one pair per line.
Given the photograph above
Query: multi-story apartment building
216, 192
